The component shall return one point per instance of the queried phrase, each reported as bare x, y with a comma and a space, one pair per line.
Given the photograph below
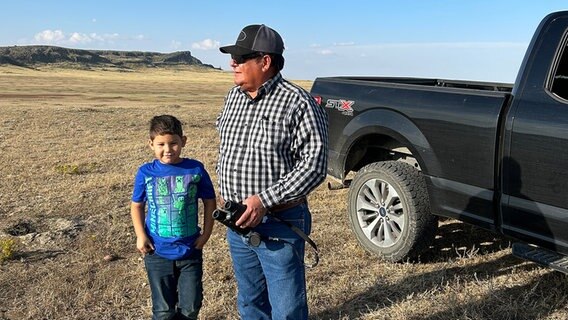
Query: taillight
318, 100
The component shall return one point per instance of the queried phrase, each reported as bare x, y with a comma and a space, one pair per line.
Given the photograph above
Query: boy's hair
165, 124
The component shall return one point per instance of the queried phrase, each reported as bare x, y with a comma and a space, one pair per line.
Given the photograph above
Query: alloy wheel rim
380, 213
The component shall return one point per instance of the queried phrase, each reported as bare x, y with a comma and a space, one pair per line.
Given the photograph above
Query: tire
389, 211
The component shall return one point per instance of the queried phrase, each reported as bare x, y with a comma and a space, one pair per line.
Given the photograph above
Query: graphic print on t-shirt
173, 208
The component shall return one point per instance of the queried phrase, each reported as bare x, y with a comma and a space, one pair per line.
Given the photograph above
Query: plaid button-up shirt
274, 146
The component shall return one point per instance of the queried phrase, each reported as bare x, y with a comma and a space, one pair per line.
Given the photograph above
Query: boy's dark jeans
175, 283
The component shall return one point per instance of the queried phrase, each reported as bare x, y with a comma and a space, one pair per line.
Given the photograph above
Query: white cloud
343, 44
79, 38
115, 36
83, 38
325, 52
206, 44
59, 37
94, 37
50, 36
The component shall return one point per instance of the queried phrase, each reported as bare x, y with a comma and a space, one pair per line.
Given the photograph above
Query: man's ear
151, 144
266, 62
183, 141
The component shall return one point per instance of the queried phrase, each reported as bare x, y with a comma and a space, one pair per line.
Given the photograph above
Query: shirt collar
267, 87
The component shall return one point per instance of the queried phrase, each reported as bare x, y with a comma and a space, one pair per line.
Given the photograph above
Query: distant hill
33, 56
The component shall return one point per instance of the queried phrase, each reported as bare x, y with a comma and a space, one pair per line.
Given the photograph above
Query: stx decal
344, 106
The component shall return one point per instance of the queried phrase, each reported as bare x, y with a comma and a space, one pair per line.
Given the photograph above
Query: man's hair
277, 61
165, 124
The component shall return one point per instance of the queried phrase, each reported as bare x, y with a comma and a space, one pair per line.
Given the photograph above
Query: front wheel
389, 211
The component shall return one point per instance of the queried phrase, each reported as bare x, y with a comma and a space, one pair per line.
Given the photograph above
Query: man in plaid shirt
273, 153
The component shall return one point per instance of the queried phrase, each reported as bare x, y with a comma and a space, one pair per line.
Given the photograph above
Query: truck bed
463, 84
427, 115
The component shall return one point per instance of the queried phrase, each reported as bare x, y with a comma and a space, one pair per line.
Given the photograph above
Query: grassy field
71, 142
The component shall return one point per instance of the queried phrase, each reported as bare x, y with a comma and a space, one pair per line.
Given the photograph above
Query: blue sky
468, 40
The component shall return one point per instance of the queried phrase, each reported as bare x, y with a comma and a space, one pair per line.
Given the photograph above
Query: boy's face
167, 147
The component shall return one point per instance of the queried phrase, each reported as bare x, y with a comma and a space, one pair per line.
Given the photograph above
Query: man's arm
310, 143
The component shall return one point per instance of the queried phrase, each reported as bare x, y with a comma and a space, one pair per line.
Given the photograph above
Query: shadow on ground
37, 255
454, 240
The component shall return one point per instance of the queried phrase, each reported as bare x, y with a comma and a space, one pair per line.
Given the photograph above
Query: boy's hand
144, 245
201, 241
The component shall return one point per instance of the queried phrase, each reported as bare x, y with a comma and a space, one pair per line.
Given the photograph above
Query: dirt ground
71, 142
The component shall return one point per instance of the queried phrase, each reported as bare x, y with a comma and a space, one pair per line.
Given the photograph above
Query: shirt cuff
268, 200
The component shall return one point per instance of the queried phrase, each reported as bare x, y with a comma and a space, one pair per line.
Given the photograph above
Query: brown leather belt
288, 205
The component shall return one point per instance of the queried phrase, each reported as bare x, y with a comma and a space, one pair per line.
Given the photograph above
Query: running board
541, 256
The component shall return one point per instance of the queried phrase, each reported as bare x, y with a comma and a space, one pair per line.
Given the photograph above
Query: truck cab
534, 157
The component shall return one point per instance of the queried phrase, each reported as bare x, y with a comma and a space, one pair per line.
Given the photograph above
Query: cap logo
242, 36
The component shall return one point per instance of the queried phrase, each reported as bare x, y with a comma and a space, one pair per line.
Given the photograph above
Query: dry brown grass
70, 144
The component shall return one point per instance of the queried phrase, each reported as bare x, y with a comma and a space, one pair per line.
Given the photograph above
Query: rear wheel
389, 211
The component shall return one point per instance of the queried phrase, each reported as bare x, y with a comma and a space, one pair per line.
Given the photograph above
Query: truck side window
560, 80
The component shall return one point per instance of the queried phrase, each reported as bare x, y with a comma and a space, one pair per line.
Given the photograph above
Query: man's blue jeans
271, 277
174, 283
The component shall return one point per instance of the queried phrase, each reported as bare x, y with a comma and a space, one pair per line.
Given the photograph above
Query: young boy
169, 235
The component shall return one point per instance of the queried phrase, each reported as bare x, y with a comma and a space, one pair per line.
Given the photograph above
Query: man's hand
253, 214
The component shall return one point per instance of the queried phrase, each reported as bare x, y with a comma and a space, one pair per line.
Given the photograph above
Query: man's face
248, 72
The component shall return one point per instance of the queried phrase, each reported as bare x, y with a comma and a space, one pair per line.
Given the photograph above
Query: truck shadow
528, 297
383, 295
455, 239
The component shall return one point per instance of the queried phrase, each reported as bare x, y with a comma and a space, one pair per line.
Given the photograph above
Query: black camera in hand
229, 214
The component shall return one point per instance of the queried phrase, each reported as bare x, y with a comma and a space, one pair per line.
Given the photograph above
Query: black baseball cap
256, 38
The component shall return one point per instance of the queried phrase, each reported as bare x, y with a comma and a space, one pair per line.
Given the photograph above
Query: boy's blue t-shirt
171, 192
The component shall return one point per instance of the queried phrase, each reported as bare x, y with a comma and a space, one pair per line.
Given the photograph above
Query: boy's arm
143, 243
208, 208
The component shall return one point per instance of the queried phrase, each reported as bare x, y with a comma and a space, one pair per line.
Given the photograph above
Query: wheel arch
381, 135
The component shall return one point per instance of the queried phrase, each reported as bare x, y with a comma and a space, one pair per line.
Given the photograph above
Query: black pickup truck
493, 155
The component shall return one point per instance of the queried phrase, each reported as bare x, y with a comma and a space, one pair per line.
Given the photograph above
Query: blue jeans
271, 277
175, 282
